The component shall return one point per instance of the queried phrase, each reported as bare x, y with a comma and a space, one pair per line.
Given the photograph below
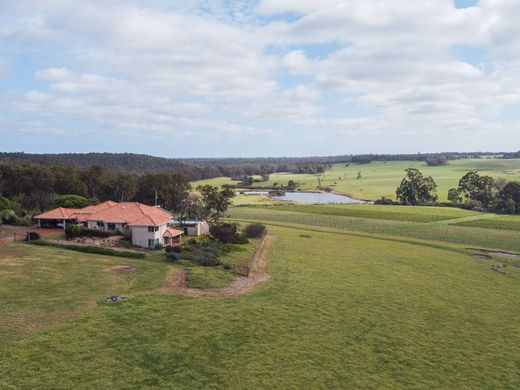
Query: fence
244, 270
17, 236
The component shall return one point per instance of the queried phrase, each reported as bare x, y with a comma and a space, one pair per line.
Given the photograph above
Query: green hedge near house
91, 249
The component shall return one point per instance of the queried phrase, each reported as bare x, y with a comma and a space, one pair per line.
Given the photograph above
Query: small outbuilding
192, 228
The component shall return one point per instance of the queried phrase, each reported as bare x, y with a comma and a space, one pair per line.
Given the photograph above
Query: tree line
474, 191
207, 168
28, 188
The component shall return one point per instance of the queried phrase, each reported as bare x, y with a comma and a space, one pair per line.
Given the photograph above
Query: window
152, 229
111, 226
100, 224
153, 242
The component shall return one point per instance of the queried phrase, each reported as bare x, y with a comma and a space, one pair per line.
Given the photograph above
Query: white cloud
234, 69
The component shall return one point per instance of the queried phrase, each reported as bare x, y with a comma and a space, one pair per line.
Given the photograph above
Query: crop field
340, 311
500, 223
382, 178
395, 213
443, 224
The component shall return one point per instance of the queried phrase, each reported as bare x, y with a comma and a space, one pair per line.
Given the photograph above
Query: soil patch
482, 257
176, 279
483, 252
126, 269
8, 252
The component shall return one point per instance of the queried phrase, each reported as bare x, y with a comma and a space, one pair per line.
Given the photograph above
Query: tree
482, 189
416, 189
509, 198
437, 160
71, 201
179, 193
154, 188
216, 202
93, 179
454, 195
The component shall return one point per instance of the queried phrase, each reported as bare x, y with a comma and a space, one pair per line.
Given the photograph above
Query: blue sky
259, 78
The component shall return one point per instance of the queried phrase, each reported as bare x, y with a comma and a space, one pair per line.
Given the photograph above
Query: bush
159, 246
32, 236
72, 201
228, 233
386, 201
176, 249
91, 249
81, 231
172, 256
254, 230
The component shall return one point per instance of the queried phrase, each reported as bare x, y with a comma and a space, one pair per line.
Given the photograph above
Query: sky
201, 78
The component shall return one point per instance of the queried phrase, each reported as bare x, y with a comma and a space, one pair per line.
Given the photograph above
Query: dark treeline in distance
207, 168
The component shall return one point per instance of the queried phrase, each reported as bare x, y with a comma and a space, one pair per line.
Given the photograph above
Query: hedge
91, 249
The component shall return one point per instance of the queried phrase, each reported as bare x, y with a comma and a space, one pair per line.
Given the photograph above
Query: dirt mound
122, 268
176, 279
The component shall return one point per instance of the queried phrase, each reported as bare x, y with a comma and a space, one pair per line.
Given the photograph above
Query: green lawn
216, 182
340, 311
382, 178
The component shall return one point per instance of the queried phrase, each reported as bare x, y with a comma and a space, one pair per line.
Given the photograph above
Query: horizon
485, 153
259, 78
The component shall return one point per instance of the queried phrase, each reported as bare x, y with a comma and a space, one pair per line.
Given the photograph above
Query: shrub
32, 236
228, 233
172, 256
91, 249
72, 201
73, 230
386, 201
254, 230
176, 249
81, 231
158, 246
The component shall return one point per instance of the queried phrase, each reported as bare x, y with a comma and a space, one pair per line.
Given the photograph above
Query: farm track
176, 279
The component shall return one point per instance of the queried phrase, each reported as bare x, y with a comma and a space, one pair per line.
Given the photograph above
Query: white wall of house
117, 226
141, 235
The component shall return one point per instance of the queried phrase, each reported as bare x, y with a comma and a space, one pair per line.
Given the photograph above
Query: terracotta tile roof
133, 213
86, 213
171, 232
58, 213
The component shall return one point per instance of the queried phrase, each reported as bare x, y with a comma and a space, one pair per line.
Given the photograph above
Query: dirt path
176, 279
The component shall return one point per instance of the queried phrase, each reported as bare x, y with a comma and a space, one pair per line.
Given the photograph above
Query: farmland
381, 178
358, 296
361, 311
429, 223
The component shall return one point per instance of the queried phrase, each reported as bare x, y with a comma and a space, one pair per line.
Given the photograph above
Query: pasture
340, 310
359, 296
382, 178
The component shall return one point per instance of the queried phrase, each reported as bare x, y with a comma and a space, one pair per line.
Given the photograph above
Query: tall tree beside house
120, 186
216, 202
416, 188
179, 194
481, 189
154, 188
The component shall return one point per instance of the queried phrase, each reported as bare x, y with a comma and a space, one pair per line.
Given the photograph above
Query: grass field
340, 311
429, 223
382, 178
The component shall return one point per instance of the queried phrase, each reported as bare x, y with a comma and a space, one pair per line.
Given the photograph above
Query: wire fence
245, 269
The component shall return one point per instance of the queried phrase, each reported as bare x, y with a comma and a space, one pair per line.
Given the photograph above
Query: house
148, 225
193, 227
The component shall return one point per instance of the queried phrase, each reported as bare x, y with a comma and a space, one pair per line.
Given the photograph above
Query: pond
317, 197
